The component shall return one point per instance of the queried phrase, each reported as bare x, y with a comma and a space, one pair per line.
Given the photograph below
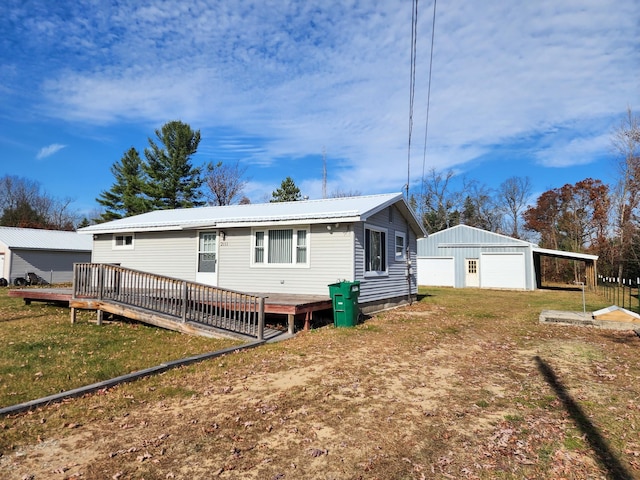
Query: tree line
588, 216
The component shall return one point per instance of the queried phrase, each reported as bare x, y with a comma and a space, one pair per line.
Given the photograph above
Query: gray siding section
171, 253
395, 284
53, 266
464, 242
330, 254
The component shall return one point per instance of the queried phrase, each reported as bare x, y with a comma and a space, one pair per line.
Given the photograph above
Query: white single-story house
283, 247
50, 254
464, 256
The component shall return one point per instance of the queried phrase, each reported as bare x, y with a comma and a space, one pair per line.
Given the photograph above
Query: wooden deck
293, 306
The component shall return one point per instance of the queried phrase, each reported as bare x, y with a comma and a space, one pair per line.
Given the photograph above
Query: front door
207, 258
472, 278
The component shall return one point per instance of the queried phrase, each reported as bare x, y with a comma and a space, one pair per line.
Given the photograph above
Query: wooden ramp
167, 302
166, 321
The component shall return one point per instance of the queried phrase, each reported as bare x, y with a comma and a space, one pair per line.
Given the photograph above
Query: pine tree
126, 197
288, 192
173, 182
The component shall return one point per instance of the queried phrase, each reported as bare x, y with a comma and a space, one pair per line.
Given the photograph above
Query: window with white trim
282, 246
401, 245
375, 251
301, 247
122, 242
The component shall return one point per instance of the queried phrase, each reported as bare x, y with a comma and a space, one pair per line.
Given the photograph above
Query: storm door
207, 258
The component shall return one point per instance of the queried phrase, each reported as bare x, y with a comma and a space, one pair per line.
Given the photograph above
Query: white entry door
472, 278
207, 258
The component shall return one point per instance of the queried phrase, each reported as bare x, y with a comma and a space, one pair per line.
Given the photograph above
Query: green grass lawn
43, 353
465, 383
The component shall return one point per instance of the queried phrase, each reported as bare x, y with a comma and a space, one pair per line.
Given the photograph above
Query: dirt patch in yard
426, 391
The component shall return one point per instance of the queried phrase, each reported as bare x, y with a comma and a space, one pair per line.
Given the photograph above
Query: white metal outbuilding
464, 256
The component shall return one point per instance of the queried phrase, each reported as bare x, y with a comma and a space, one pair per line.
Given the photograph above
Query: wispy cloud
49, 150
298, 77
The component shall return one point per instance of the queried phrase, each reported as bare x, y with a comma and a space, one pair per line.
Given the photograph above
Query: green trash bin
344, 298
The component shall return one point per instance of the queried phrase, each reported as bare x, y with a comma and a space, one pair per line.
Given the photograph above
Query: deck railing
182, 300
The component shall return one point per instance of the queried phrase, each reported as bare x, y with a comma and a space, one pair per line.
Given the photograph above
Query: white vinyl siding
171, 253
330, 259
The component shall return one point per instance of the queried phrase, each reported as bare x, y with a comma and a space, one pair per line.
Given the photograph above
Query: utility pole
324, 172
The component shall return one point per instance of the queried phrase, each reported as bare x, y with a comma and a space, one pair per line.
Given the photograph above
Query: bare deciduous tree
225, 183
479, 209
438, 204
626, 193
345, 193
513, 197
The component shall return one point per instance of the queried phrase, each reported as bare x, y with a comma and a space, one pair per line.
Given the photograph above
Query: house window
375, 251
123, 242
301, 247
284, 246
207, 252
259, 248
400, 247
280, 246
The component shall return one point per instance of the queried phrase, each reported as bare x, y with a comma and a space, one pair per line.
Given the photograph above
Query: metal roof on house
304, 211
39, 239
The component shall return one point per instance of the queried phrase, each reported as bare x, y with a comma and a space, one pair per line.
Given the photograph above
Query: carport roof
562, 254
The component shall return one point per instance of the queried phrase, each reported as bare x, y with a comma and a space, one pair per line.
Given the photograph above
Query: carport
589, 262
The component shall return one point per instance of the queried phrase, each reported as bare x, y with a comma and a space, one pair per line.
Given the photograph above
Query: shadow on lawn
607, 458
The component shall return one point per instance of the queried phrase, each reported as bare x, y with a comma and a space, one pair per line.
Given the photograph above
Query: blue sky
528, 89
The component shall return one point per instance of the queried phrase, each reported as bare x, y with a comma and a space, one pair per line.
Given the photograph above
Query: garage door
502, 270
436, 271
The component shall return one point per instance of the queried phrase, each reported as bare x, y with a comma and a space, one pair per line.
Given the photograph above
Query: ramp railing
178, 299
